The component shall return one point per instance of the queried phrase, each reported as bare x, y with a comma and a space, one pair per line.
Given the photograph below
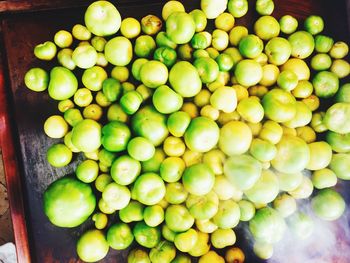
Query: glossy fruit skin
251, 46
235, 138
326, 84
146, 236
341, 123
115, 136
302, 44
149, 188
278, 50
36, 79
119, 236
105, 25
118, 51
328, 204
92, 246
340, 165
68, 202
180, 27
63, 84
198, 179
267, 27
248, 72
45, 51
178, 218
86, 135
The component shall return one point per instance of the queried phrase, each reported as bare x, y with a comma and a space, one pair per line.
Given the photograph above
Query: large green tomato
132, 212
125, 169
184, 79
203, 207
265, 190
326, 84
118, 51
166, 100
320, 155
340, 165
37, 79
248, 72
92, 246
228, 214
119, 236
207, 68
180, 27
235, 138
222, 238
151, 124
153, 74
267, 226
178, 218
198, 179
339, 142
115, 136
202, 134
186, 241
337, 118
328, 204
102, 18
146, 236
149, 189
267, 27
68, 202
86, 135
243, 171
178, 122
251, 46
279, 105
292, 156
278, 50
302, 44
63, 84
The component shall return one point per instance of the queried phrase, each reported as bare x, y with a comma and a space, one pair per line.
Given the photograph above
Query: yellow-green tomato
100, 219
146, 236
36, 79
341, 68
339, 50
337, 118
130, 27
250, 110
201, 246
164, 252
320, 155
92, 246
116, 196
166, 100
285, 205
55, 127
263, 151
228, 214
304, 190
118, 51
45, 51
203, 207
207, 68
211, 256
248, 72
63, 84
263, 250
59, 155
119, 236
303, 90
83, 97
222, 238
132, 212
225, 190
340, 143
206, 226
220, 39
299, 67
149, 188
153, 164
271, 131
174, 146
328, 204
288, 24
84, 56
86, 135
270, 74
63, 39
198, 179
340, 165
247, 210
64, 57
264, 7
302, 117
266, 27
178, 218
180, 27
324, 178
138, 256
236, 34
171, 169
93, 112
215, 160
213, 9
186, 241
93, 78
278, 50
225, 21
289, 182
87, 171
237, 8
302, 44
224, 98
175, 193
235, 138
292, 156
153, 215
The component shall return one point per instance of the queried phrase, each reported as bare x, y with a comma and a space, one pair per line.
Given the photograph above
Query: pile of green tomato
187, 132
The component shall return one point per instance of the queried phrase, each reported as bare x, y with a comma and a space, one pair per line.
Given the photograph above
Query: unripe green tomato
248, 72
178, 122
304, 190
130, 27
264, 7
112, 89
63, 39
186, 241
201, 40
285, 205
101, 220
116, 196
324, 178
270, 74
328, 204
140, 149
172, 169
340, 165
220, 39
175, 193
116, 113
236, 34
222, 238
289, 182
119, 236
125, 170
94, 77
207, 68
55, 127
250, 110
263, 151
226, 190
278, 50
83, 97
314, 24
69, 144
59, 155
36, 79
178, 218
199, 18
151, 24
341, 68
200, 54
80, 32
198, 179
228, 214
153, 164
339, 50
164, 252
317, 122
166, 100
165, 55
302, 44
163, 40
136, 67
266, 27
144, 46
225, 62
118, 51
303, 90
45, 51
339, 142
98, 43
182, 258
225, 21
153, 215
213, 53
65, 105
321, 62
171, 7
84, 56
224, 98
185, 52
271, 131
64, 57
263, 250
237, 8
288, 24
336, 118
180, 27
63, 84
87, 171
326, 84
323, 44
138, 256
131, 102
247, 210
149, 188
92, 246
320, 155
174, 146
153, 74
105, 208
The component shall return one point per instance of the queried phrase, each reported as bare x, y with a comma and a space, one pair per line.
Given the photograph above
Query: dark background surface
21, 32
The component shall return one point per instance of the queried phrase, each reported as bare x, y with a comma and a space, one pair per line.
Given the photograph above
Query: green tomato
293, 155
225, 62
102, 25
265, 190
184, 79
65, 105
237, 8
186, 241
340, 165
317, 122
59, 155
133, 212
339, 50
263, 250
289, 182
144, 46
93, 112
180, 27
171, 169
336, 118
251, 46
136, 67
149, 188
302, 44
247, 210
263, 151
125, 170
94, 77
73, 116
326, 84
278, 50
266, 27
314, 24
84, 56
153, 215
87, 171
178, 122
45, 51
98, 43
320, 155
118, 51
163, 40
220, 40
225, 21
131, 102
167, 233
299, 67
203, 207
248, 72
340, 143
178, 218
165, 55
302, 116
63, 84
150, 124
112, 89
116, 113
199, 18
225, 190
236, 34
115, 136
324, 178
321, 62
175, 193
285, 205
279, 105
166, 100
80, 32
181, 258
224, 98
86, 135
201, 40
207, 68
171, 7
328, 204
153, 74
153, 164
303, 90
341, 68
151, 24
222, 238
63, 39
119, 236
68, 202
92, 246
235, 138
140, 149
83, 97
146, 236
212, 9
271, 131
304, 190
116, 196
130, 27
64, 57
138, 256
323, 44
264, 7
250, 110
267, 226
228, 214
100, 220
36, 79
198, 179
165, 251
185, 52
288, 24
243, 171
